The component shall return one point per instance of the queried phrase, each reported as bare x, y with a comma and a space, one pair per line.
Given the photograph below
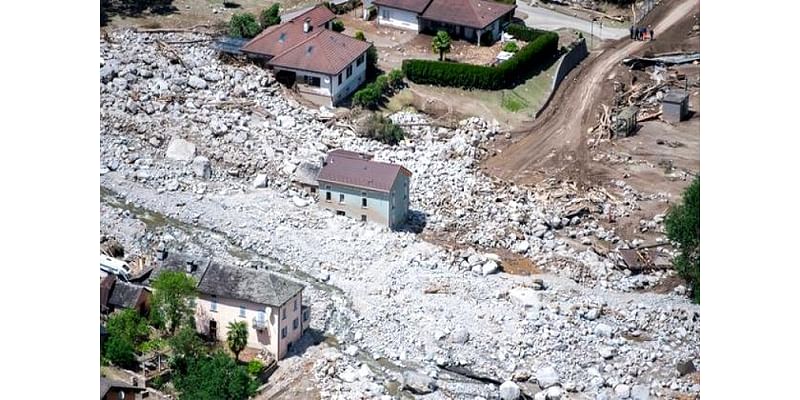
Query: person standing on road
652, 36
632, 28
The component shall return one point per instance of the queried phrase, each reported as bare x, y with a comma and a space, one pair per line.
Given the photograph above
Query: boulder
298, 202
181, 150
554, 393
607, 352
459, 336
286, 121
260, 181
490, 267
622, 391
520, 247
526, 297
603, 330
686, 368
640, 392
201, 167
509, 391
213, 76
547, 377
418, 383
197, 83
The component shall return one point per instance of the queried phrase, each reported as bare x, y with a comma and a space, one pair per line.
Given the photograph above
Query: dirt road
555, 144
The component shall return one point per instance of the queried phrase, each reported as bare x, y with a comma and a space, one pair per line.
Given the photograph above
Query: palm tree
237, 337
441, 44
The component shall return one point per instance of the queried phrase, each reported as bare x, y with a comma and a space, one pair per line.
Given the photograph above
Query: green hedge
524, 33
441, 73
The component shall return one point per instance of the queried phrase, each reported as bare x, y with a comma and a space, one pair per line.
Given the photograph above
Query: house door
212, 329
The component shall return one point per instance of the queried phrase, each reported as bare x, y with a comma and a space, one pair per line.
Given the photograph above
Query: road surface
555, 144
542, 18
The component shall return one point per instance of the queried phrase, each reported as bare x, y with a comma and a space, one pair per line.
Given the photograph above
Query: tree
270, 16
128, 326
441, 44
186, 345
683, 226
243, 25
120, 352
360, 36
172, 292
237, 337
382, 129
337, 26
372, 59
396, 79
215, 377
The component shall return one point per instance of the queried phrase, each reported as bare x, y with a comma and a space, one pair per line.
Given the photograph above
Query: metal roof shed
675, 106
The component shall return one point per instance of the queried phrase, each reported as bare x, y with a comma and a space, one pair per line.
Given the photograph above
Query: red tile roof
417, 6
347, 170
326, 52
279, 38
472, 13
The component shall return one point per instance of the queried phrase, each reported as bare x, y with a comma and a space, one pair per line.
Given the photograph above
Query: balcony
259, 323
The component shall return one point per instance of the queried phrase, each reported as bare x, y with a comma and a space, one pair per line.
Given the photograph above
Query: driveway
542, 18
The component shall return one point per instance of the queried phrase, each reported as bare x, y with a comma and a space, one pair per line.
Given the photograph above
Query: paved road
542, 18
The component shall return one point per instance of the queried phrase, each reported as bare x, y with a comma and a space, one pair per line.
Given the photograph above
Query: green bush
255, 367
531, 56
120, 351
215, 377
382, 129
243, 25
510, 47
270, 16
337, 26
396, 79
524, 33
360, 36
371, 95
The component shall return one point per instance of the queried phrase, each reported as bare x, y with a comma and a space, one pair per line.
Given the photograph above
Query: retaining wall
565, 64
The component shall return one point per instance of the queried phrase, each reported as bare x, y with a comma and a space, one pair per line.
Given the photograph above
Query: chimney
134, 381
190, 266
307, 25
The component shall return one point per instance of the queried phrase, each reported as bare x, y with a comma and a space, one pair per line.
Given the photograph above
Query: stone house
305, 178
116, 295
353, 185
304, 52
271, 306
466, 19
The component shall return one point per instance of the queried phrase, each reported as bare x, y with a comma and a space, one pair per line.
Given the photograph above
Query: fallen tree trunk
192, 29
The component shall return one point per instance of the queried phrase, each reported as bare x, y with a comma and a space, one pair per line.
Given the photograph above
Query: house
116, 390
117, 295
271, 306
305, 177
305, 52
356, 186
466, 19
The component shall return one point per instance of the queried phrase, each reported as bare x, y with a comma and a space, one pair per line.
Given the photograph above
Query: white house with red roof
320, 61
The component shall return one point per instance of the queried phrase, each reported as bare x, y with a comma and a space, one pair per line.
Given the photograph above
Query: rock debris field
198, 154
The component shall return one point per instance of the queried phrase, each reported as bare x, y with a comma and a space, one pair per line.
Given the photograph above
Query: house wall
397, 18
292, 334
228, 311
348, 85
401, 197
377, 209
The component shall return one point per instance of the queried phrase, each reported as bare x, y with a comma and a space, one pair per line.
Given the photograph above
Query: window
341, 197
363, 218
340, 212
283, 332
349, 70
262, 316
284, 314
340, 78
241, 311
328, 196
305, 315
214, 303
295, 323
359, 60
313, 190
295, 304
364, 202
386, 14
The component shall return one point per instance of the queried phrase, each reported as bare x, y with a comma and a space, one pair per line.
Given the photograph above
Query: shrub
270, 16
243, 25
372, 59
396, 79
255, 367
382, 129
524, 33
337, 26
441, 44
440, 73
360, 36
510, 47
215, 377
120, 352
368, 97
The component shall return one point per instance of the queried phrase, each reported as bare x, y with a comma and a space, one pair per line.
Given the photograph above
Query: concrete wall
397, 18
566, 63
377, 209
228, 310
400, 197
349, 85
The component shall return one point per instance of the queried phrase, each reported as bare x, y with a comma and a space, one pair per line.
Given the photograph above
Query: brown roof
326, 52
354, 171
257, 286
279, 38
417, 6
472, 13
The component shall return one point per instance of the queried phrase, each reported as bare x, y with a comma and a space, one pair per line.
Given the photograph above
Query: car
115, 266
